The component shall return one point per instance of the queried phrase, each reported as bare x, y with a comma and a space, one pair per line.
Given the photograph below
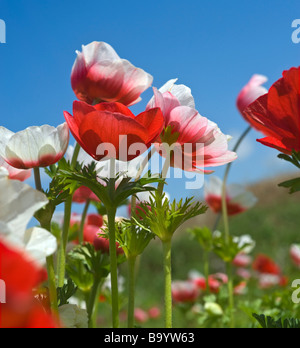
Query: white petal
5, 136
39, 243
167, 87
36, 143
214, 186
18, 203
181, 92
98, 51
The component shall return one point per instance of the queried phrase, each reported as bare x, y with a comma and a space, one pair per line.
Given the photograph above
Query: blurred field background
274, 224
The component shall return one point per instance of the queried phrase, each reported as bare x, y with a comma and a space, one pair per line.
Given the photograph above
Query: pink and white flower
35, 146
295, 254
100, 75
251, 91
14, 173
198, 141
184, 291
238, 199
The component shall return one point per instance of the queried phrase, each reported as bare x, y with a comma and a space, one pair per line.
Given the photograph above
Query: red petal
101, 127
153, 121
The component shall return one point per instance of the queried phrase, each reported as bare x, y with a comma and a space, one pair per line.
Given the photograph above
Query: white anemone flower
35, 146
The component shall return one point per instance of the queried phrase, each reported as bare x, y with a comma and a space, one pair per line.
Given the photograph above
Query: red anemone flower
110, 130
21, 276
277, 113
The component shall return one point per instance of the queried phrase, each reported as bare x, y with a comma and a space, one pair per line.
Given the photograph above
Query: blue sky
214, 47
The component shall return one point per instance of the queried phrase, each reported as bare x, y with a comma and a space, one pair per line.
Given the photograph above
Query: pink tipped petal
251, 91
100, 75
190, 125
14, 173
37, 146
136, 81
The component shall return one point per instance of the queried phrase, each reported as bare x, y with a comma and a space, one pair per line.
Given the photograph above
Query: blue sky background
213, 47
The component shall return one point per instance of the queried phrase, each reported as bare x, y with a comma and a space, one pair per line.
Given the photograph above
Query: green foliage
163, 218
132, 238
227, 250
203, 236
57, 193
89, 177
268, 322
293, 185
66, 292
85, 264
294, 158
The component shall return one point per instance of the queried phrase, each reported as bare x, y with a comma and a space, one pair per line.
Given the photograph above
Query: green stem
83, 218
161, 185
230, 292
226, 228
111, 215
168, 283
65, 233
75, 155
37, 179
131, 290
228, 167
206, 269
49, 259
52, 285
92, 301
63, 243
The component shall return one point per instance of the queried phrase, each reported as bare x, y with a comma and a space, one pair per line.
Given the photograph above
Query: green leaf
66, 292
87, 176
203, 236
294, 158
267, 322
132, 237
226, 250
293, 185
163, 217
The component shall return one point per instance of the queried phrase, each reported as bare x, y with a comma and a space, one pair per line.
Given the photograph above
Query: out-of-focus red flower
241, 288
264, 264
237, 198
295, 254
215, 281
243, 273
140, 315
184, 291
21, 276
93, 234
102, 243
242, 260
277, 113
110, 130
251, 91
83, 194
100, 75
154, 312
